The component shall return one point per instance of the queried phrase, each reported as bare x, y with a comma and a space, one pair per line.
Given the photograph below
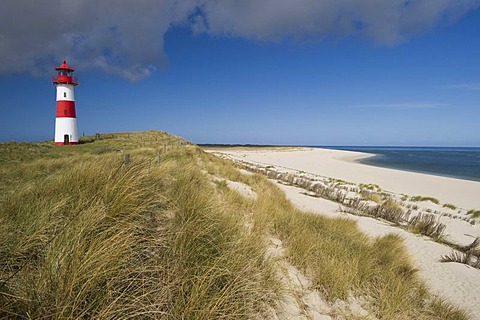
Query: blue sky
228, 84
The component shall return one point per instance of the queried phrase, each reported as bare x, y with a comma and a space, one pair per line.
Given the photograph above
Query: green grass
421, 198
474, 213
83, 235
370, 187
339, 181
450, 206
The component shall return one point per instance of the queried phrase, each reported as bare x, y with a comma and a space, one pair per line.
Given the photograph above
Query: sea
454, 162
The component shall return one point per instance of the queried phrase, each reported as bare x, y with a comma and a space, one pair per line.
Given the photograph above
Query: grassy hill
85, 234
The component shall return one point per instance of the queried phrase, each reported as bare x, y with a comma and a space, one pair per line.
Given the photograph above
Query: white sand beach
456, 283
340, 164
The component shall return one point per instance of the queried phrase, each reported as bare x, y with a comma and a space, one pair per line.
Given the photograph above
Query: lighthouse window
64, 94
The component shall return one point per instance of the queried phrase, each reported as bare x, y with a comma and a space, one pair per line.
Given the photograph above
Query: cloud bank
126, 37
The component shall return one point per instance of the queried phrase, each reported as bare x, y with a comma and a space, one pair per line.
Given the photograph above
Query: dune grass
427, 224
474, 213
83, 235
450, 206
469, 254
371, 196
422, 198
342, 260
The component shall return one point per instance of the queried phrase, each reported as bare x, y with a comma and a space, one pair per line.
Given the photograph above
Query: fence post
126, 158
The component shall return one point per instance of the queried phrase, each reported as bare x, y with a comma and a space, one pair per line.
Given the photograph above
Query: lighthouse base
66, 131
66, 144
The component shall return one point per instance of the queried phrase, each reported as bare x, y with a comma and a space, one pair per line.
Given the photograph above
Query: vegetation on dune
85, 235
421, 198
427, 224
450, 206
474, 213
370, 187
469, 254
371, 196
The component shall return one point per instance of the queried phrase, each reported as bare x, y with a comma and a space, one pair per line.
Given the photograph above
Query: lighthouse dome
64, 66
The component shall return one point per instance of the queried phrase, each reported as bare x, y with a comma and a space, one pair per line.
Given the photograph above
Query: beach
341, 164
456, 283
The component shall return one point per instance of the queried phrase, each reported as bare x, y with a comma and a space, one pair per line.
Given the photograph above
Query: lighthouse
65, 119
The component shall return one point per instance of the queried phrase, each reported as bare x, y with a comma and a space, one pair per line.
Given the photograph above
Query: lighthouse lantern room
65, 119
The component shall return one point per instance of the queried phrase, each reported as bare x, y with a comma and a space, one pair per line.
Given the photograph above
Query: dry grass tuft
371, 196
469, 255
426, 224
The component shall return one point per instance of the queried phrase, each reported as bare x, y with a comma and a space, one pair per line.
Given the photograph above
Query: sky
303, 72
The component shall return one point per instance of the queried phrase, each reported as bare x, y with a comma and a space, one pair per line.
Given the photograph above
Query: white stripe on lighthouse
65, 92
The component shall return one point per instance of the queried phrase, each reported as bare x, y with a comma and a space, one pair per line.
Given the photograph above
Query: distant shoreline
451, 162
335, 147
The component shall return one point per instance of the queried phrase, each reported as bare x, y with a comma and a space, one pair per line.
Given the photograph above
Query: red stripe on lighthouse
66, 109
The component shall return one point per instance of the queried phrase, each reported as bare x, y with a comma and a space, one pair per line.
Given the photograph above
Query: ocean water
455, 162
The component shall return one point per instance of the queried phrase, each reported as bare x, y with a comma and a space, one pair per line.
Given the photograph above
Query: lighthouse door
66, 139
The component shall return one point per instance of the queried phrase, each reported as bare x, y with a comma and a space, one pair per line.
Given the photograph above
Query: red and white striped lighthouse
66, 119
